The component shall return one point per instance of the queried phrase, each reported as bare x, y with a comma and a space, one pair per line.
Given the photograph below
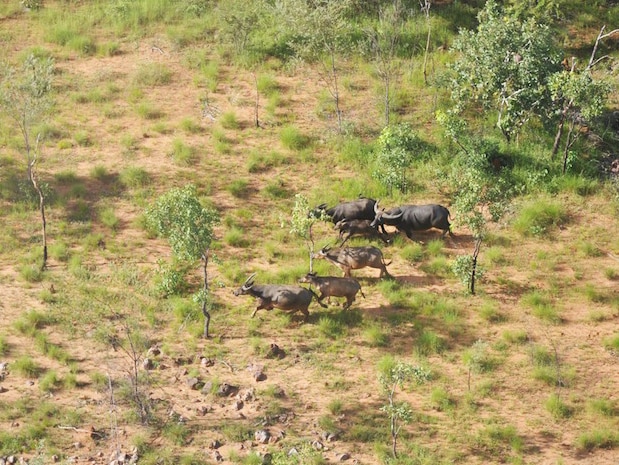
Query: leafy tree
319, 32
393, 375
482, 189
25, 95
179, 216
394, 154
303, 219
579, 98
383, 40
505, 66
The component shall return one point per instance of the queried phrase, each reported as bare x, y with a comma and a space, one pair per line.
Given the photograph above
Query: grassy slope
546, 315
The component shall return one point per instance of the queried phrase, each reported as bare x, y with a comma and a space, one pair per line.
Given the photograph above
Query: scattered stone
78, 445
148, 364
226, 390
262, 436
293, 451
317, 445
278, 392
343, 457
3, 389
154, 351
207, 362
257, 372
217, 456
247, 395
267, 459
55, 458
207, 388
203, 410
180, 361
276, 436
238, 404
194, 383
11, 459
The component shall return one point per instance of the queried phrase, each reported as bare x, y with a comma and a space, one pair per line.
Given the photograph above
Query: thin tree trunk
205, 312
474, 268
32, 159
568, 144
257, 104
555, 146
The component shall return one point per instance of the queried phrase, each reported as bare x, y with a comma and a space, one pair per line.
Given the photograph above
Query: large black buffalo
361, 209
410, 218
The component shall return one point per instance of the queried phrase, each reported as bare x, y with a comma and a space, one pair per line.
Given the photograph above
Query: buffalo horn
249, 281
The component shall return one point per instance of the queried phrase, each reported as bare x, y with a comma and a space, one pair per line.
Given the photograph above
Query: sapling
394, 375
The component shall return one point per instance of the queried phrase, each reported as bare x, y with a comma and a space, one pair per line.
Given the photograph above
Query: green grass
228, 120
4, 346
293, 139
134, 177
558, 408
153, 74
26, 366
540, 217
182, 154
598, 439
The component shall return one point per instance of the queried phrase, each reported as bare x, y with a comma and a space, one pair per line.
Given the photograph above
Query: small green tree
319, 32
393, 375
481, 192
25, 95
579, 98
188, 226
301, 223
395, 150
383, 39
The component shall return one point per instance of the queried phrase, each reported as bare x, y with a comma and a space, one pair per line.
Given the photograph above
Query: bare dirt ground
316, 371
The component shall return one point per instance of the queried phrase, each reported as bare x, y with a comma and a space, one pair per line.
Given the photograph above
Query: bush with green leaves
396, 149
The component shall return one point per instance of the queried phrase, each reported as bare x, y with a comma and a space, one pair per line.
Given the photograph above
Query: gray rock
262, 436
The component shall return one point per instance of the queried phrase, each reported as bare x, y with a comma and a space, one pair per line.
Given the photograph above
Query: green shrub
108, 218
228, 121
49, 382
540, 217
236, 237
267, 84
147, 111
238, 188
557, 408
189, 125
4, 345
134, 177
182, 154
153, 74
26, 366
375, 336
429, 343
293, 139
441, 400
598, 439
31, 273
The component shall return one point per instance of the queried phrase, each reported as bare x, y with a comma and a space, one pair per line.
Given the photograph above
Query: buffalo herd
363, 218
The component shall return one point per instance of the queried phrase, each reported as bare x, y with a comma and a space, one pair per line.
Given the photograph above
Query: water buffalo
331, 286
409, 218
361, 228
270, 296
360, 209
353, 258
